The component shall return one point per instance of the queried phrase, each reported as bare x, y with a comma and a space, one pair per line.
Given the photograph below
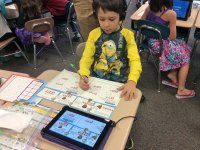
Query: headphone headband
122, 14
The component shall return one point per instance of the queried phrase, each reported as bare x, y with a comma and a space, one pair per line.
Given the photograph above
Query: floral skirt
175, 53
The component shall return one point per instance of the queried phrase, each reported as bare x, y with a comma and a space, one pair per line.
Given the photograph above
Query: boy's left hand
128, 90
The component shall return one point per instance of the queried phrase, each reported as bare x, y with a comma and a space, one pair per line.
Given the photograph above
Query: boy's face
108, 20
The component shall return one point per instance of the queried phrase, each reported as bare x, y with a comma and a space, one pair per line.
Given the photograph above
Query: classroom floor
164, 122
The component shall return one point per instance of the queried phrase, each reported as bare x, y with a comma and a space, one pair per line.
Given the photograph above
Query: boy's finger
120, 88
122, 94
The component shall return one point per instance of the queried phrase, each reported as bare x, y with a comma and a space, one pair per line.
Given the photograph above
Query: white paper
14, 121
102, 91
18, 87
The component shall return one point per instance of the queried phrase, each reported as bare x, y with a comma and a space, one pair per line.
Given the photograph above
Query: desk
118, 138
6, 74
197, 22
182, 26
180, 23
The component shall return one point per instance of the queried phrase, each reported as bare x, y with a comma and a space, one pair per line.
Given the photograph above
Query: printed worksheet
101, 99
102, 91
19, 87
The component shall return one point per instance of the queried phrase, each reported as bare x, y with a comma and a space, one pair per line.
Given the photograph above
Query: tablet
182, 8
78, 130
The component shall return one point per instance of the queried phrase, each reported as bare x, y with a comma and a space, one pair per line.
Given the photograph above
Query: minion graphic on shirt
108, 63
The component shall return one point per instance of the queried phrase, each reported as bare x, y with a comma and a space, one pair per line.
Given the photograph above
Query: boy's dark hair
156, 5
118, 6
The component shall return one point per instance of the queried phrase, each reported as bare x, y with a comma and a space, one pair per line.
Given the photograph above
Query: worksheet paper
102, 91
101, 99
19, 87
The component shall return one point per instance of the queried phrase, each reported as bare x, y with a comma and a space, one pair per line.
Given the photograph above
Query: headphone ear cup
93, 8
123, 15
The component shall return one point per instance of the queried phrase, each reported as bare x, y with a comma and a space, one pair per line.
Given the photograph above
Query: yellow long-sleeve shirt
133, 57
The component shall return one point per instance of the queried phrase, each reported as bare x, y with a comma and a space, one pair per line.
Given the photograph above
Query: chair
42, 25
66, 24
80, 48
11, 39
148, 29
7, 42
196, 42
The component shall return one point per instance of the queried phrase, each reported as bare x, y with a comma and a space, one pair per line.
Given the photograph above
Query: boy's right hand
84, 83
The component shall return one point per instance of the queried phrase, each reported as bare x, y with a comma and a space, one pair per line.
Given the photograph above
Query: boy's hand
84, 83
128, 90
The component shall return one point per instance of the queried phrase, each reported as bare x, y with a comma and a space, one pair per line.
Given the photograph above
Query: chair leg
54, 44
194, 48
77, 27
70, 41
196, 78
21, 51
142, 99
34, 55
159, 77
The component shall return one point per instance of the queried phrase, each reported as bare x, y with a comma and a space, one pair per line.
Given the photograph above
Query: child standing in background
175, 57
29, 10
60, 9
111, 49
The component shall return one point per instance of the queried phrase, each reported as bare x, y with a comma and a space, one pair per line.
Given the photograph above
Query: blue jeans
60, 20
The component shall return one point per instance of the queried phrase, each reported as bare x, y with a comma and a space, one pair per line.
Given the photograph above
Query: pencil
72, 65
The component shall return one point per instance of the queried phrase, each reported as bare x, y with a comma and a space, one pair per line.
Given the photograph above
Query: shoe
191, 94
76, 38
170, 83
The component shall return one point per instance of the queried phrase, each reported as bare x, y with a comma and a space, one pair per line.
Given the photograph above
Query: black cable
114, 124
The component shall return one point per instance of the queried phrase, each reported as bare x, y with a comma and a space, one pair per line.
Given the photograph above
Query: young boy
111, 50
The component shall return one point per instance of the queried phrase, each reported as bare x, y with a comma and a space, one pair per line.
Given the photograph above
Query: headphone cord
115, 123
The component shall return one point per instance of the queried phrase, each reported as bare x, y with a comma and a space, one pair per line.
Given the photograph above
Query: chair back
149, 29
40, 25
80, 48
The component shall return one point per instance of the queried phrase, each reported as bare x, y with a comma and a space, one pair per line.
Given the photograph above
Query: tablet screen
78, 128
75, 127
182, 8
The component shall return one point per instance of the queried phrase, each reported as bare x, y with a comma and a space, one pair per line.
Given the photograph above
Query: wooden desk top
197, 23
180, 23
118, 138
6, 74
